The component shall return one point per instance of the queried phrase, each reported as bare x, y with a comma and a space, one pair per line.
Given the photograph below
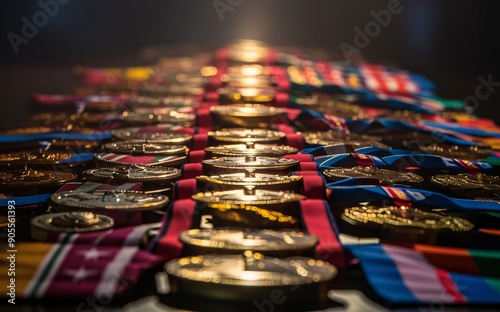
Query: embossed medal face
173, 89
478, 151
172, 117
253, 270
248, 239
164, 101
405, 217
27, 130
239, 80
246, 115
250, 163
247, 110
114, 159
235, 150
339, 137
133, 174
164, 136
383, 175
476, 186
257, 197
33, 158
79, 145
111, 200
253, 92
33, 178
258, 179
144, 148
247, 136
71, 222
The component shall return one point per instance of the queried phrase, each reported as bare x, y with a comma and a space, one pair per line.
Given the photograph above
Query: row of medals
249, 235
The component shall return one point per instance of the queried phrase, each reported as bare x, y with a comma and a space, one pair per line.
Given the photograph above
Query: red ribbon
313, 186
177, 220
191, 170
184, 188
196, 156
200, 141
318, 221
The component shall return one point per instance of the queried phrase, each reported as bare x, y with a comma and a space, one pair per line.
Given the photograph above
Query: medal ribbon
319, 221
178, 218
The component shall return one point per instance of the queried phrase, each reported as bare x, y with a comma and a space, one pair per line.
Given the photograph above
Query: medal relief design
113, 200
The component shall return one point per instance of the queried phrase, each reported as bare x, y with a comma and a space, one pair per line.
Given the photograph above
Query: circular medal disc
133, 173
33, 178
260, 94
336, 137
145, 148
252, 136
233, 240
476, 186
113, 159
383, 176
27, 130
399, 222
238, 150
259, 197
111, 200
259, 179
69, 222
34, 158
245, 115
156, 135
168, 101
248, 278
250, 163
172, 117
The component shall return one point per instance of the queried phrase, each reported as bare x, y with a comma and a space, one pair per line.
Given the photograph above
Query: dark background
450, 42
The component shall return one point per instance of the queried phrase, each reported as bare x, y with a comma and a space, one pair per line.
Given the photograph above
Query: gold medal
145, 148
400, 223
249, 137
249, 277
246, 115
238, 150
476, 186
33, 158
338, 137
133, 174
244, 208
231, 241
232, 181
249, 164
159, 136
126, 201
380, 176
68, 222
145, 119
34, 178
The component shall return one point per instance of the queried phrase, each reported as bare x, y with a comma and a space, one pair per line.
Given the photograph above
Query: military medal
249, 137
232, 241
476, 186
246, 115
401, 223
251, 164
125, 201
379, 176
249, 277
232, 181
68, 222
245, 208
133, 174
238, 150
